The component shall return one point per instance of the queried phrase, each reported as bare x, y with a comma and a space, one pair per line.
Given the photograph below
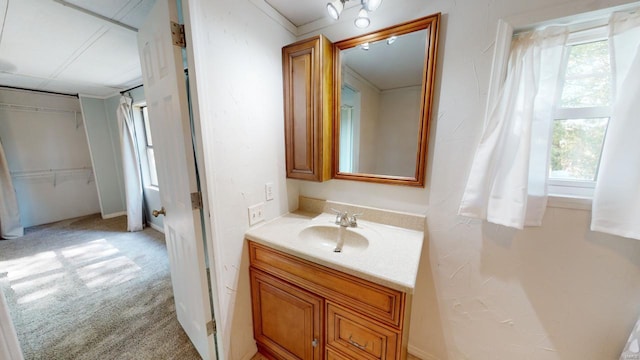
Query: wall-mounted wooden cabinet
302, 310
308, 108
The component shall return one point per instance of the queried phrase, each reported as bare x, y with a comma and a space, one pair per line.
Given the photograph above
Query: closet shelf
18, 107
55, 175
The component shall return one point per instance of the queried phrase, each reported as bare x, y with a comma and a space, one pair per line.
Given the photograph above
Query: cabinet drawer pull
361, 347
314, 343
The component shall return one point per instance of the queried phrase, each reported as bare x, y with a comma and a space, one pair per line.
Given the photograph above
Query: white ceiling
406, 55
45, 45
303, 12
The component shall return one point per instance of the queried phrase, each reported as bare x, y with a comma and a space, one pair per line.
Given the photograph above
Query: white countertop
391, 258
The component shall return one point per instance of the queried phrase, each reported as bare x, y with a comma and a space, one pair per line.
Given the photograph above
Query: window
582, 111
151, 160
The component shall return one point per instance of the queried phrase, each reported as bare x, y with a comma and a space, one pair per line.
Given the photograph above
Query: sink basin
327, 237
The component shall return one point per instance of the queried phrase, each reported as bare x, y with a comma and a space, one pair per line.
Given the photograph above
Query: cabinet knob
314, 343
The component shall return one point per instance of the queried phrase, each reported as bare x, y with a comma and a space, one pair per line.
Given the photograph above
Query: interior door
166, 96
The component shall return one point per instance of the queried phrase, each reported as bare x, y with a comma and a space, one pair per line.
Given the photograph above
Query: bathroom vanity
310, 302
358, 109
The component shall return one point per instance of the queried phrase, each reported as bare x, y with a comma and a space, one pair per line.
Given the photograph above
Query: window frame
148, 146
574, 188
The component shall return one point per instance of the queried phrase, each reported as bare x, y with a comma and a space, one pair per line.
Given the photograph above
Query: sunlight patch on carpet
109, 272
36, 289
32, 265
90, 251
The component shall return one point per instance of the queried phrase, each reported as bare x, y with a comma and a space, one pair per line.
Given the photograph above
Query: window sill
569, 202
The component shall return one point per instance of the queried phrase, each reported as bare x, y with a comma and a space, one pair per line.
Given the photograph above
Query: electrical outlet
268, 191
256, 213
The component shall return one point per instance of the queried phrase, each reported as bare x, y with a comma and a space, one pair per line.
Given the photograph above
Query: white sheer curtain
507, 184
9, 345
10, 227
131, 165
616, 202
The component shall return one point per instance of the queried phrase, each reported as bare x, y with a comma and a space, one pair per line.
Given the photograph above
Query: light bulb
365, 46
372, 5
362, 21
335, 8
391, 40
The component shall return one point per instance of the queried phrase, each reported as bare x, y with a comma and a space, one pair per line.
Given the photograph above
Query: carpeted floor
86, 289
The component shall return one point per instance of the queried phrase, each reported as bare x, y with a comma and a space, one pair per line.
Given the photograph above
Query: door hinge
211, 328
196, 200
177, 34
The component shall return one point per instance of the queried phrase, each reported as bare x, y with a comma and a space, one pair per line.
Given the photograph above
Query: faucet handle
353, 221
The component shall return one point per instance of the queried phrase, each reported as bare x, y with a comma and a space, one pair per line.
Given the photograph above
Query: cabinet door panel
287, 320
302, 109
308, 99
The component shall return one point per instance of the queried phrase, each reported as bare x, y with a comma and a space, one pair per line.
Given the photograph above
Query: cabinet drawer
357, 337
373, 300
334, 355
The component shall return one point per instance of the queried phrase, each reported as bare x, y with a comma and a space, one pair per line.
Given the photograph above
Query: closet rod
186, 71
40, 91
133, 88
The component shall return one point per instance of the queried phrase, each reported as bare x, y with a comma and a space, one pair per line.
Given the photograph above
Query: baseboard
112, 215
420, 354
156, 227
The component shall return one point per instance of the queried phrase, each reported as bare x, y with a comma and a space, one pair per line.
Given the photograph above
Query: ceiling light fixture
362, 21
365, 46
372, 5
391, 40
335, 7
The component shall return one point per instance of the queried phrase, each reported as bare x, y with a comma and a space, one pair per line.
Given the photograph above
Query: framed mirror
383, 88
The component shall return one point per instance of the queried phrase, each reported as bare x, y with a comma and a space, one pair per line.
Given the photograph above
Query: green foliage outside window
577, 142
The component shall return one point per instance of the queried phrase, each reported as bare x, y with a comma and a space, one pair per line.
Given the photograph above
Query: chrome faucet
343, 219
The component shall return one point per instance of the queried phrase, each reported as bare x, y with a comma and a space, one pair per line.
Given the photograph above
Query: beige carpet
86, 289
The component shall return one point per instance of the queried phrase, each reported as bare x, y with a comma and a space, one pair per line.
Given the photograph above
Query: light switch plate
256, 213
268, 191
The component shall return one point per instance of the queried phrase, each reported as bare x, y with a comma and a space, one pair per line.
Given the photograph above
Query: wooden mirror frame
432, 23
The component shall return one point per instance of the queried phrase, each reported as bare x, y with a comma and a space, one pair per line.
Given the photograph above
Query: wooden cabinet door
287, 321
308, 108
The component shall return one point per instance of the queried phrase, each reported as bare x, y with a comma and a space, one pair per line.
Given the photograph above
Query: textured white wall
47, 140
238, 68
484, 292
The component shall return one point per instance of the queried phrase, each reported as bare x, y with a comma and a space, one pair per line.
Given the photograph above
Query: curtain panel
616, 201
507, 184
131, 166
9, 344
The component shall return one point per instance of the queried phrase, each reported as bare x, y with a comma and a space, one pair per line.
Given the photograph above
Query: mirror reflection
384, 86
380, 105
